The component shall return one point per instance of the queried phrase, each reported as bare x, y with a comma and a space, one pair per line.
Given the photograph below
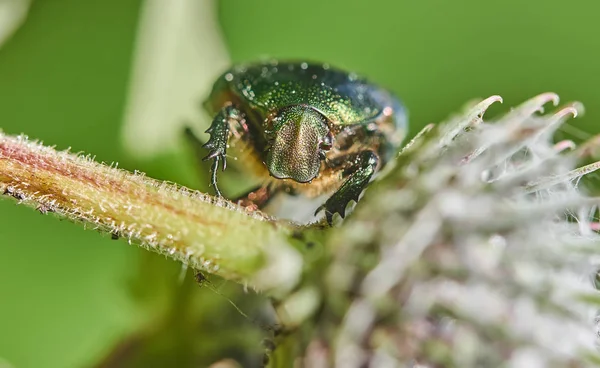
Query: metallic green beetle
306, 128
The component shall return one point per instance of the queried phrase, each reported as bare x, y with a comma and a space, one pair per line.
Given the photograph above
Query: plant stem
207, 233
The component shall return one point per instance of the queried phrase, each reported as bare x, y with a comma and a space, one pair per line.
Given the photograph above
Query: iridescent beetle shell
308, 128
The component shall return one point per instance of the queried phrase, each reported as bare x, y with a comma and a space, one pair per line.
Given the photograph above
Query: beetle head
299, 137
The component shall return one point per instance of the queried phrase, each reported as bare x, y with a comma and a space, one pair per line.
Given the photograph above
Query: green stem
207, 233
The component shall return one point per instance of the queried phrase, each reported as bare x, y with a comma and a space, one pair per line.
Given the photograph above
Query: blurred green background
68, 295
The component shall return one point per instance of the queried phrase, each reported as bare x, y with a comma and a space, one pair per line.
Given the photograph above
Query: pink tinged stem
204, 232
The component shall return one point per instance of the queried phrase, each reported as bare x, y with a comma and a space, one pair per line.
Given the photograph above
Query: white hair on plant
486, 244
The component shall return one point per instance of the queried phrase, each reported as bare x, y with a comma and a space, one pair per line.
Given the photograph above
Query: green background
66, 294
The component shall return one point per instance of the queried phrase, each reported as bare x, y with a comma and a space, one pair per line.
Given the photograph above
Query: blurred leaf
12, 15
178, 55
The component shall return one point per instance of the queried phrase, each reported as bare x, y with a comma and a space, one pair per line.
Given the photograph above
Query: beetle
306, 128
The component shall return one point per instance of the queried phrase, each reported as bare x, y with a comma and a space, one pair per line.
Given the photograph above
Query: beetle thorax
296, 143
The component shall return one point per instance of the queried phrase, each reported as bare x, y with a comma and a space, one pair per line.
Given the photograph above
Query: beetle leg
258, 197
216, 145
360, 167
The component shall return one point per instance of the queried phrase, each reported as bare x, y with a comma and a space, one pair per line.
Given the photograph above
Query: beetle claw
321, 208
331, 207
328, 214
210, 156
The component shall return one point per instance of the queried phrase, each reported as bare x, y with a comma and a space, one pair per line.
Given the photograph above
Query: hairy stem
204, 232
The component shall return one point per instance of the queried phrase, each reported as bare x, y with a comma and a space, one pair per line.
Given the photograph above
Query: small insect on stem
268, 344
203, 281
